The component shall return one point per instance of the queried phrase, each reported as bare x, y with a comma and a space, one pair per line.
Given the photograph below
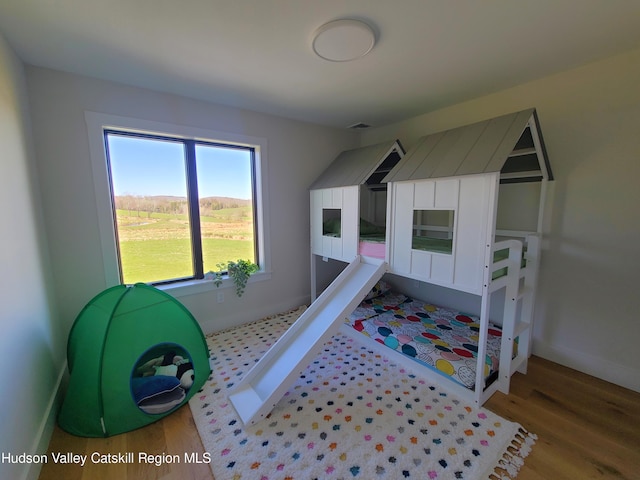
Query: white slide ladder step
268, 380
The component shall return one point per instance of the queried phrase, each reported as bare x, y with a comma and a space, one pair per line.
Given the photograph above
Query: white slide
268, 380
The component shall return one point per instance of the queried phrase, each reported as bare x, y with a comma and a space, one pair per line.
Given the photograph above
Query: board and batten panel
344, 199
472, 199
316, 221
350, 222
401, 222
475, 227
332, 246
420, 195
446, 198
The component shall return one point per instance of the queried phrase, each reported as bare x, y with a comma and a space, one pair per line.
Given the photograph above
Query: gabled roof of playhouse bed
511, 144
368, 164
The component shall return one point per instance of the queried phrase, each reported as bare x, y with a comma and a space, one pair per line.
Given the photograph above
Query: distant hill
227, 200
175, 204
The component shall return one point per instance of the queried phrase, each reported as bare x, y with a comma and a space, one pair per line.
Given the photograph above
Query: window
181, 206
433, 230
331, 222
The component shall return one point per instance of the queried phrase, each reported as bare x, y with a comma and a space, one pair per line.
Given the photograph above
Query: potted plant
238, 271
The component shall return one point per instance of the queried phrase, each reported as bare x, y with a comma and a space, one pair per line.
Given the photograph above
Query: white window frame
98, 122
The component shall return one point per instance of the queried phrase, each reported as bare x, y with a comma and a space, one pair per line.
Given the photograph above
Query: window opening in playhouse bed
161, 378
375, 181
331, 222
432, 231
524, 164
373, 208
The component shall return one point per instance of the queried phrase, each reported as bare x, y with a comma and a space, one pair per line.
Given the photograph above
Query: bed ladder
517, 313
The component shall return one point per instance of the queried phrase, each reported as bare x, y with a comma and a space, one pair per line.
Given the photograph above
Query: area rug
352, 414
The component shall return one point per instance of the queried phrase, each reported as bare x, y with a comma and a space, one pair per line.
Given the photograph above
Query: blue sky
143, 166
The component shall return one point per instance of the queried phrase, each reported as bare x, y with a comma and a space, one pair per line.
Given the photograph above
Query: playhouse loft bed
461, 210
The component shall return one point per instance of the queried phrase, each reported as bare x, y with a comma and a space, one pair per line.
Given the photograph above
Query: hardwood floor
173, 435
586, 429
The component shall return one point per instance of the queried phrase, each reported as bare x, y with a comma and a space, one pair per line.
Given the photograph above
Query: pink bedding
371, 249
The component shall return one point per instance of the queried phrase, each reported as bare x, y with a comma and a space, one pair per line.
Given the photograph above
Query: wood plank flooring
173, 435
586, 429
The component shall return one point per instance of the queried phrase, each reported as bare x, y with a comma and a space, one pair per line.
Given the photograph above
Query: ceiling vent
359, 125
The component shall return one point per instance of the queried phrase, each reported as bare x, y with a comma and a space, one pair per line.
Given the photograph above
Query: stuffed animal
182, 369
148, 368
185, 374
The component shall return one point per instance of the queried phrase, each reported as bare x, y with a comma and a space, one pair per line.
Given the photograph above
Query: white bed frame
515, 291
473, 199
457, 173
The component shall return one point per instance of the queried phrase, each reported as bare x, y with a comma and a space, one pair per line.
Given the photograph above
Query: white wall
297, 154
588, 300
31, 344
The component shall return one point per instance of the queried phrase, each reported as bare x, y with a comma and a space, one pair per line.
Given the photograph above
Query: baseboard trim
591, 365
45, 431
245, 316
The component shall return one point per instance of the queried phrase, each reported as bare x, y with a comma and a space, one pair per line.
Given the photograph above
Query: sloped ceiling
256, 54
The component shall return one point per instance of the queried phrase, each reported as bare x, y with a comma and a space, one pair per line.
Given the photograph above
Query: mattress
444, 339
372, 249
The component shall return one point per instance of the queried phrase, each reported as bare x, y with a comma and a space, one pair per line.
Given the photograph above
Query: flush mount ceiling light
343, 40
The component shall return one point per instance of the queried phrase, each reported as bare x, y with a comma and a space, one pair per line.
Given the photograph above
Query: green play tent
135, 354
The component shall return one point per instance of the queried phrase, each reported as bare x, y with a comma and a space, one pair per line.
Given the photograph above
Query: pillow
146, 388
378, 290
163, 402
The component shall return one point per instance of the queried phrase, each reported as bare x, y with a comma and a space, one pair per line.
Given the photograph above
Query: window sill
194, 287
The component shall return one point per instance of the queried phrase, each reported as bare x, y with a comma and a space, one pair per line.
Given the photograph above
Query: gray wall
297, 153
586, 313
51, 253
32, 342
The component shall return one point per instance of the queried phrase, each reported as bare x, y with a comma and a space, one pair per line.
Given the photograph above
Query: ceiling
256, 54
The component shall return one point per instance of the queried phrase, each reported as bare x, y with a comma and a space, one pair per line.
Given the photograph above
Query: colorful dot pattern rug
352, 414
